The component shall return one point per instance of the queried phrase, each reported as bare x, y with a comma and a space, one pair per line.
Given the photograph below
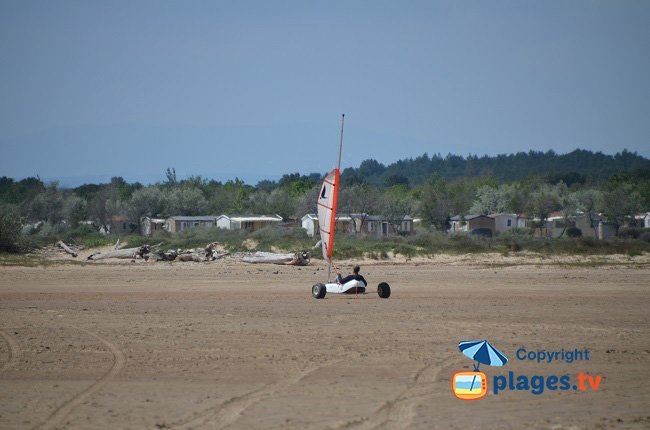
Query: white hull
335, 288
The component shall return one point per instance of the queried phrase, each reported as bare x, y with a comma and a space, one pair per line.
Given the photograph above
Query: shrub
573, 232
10, 229
518, 233
406, 250
286, 238
201, 236
50, 232
645, 236
514, 245
86, 235
630, 232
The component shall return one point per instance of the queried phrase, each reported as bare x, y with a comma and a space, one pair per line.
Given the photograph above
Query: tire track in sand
62, 412
226, 413
14, 351
399, 412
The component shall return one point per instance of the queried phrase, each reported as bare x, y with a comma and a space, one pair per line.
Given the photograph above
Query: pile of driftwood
293, 259
154, 253
208, 253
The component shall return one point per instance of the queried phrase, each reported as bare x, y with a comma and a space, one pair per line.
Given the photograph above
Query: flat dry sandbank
231, 345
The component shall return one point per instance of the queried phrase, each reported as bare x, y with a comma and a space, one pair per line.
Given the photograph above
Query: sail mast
336, 181
341, 141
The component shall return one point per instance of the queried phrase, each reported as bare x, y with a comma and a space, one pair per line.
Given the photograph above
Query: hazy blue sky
255, 89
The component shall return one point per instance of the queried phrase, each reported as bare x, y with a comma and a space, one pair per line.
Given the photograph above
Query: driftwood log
190, 257
294, 259
217, 255
66, 248
300, 259
131, 253
161, 255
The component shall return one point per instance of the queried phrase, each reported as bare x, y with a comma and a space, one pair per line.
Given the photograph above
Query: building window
196, 224
371, 226
123, 226
509, 223
247, 225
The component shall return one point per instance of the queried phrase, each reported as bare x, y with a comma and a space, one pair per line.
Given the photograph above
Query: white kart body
336, 288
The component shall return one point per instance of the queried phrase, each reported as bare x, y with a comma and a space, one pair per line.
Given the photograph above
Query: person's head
356, 270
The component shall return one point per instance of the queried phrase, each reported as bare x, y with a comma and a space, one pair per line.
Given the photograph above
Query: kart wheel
383, 290
318, 291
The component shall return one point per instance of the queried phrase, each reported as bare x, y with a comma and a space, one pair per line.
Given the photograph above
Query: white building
606, 230
247, 222
359, 223
505, 222
175, 224
642, 220
310, 223
149, 225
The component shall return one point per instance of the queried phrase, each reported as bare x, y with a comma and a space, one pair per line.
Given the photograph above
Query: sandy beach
231, 345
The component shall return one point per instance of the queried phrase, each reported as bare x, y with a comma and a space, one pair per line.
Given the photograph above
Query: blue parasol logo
473, 385
483, 353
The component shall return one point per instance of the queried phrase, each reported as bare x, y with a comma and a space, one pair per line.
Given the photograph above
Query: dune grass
423, 242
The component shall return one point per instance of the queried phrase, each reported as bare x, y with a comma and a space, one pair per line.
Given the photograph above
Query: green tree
186, 201
20, 192
363, 198
47, 206
396, 207
435, 202
74, 209
588, 201
544, 200
281, 202
148, 201
568, 204
10, 228
620, 203
396, 179
502, 199
170, 177
296, 184
488, 200
230, 198
306, 204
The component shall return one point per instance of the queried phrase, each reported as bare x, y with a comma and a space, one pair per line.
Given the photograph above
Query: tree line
431, 188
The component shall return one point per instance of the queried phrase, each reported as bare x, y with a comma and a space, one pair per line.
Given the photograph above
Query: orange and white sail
327, 212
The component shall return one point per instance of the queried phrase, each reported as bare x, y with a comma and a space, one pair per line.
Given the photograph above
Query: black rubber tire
383, 290
319, 291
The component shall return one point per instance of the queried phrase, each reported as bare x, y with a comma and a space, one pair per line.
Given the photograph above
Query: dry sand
229, 345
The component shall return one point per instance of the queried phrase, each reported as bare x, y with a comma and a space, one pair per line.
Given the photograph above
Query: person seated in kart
355, 275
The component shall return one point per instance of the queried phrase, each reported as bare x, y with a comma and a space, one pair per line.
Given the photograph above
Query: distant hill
577, 166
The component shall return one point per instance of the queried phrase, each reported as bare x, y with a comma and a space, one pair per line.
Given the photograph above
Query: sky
255, 89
